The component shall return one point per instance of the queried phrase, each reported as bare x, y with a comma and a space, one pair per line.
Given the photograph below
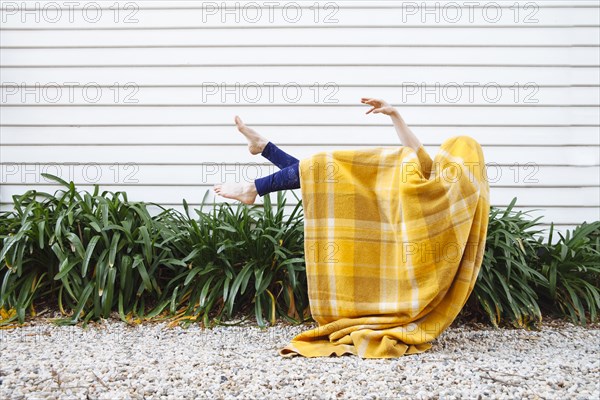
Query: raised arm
407, 137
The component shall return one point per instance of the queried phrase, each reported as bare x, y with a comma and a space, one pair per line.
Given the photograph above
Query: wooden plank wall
141, 97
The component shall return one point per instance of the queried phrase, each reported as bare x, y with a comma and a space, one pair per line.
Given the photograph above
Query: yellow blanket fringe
393, 244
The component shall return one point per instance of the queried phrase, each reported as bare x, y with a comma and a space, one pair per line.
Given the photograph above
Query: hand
379, 106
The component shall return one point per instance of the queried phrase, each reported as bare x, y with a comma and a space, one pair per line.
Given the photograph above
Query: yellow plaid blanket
393, 244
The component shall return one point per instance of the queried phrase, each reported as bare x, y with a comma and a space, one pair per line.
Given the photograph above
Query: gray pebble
111, 360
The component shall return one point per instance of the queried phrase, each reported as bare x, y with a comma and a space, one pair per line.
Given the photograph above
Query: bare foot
256, 142
244, 192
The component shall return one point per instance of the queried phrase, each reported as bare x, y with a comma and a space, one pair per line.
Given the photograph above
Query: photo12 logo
270, 12
470, 92
69, 93
454, 12
55, 12
269, 92
78, 172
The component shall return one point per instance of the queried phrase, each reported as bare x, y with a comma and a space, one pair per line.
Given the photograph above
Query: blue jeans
286, 178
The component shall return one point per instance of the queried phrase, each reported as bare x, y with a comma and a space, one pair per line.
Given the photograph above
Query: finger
370, 110
372, 104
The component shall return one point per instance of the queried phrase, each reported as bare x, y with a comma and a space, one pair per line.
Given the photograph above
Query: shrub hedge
92, 254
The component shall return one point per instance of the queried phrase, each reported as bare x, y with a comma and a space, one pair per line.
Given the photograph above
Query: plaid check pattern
393, 244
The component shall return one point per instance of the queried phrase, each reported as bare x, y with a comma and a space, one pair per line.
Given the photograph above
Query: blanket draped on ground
393, 244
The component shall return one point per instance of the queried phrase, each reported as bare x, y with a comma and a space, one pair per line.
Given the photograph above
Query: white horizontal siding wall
141, 98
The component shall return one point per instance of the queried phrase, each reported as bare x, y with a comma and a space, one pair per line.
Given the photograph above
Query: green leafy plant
572, 269
90, 253
505, 285
96, 253
235, 258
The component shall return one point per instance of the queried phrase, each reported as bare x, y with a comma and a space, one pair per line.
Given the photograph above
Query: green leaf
107, 299
74, 239
88, 255
113, 249
64, 268
41, 236
191, 275
138, 261
173, 303
147, 244
205, 289
84, 298
237, 282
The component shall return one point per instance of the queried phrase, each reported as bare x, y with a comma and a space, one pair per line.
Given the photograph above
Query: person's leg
286, 178
260, 144
277, 156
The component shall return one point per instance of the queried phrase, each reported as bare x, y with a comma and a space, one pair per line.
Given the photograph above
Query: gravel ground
111, 360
